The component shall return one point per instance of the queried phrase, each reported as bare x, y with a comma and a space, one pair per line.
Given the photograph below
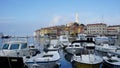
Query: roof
114, 26
96, 24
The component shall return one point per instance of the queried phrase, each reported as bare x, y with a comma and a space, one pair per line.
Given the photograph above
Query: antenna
102, 19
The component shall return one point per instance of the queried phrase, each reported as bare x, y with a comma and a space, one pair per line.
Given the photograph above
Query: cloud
7, 19
55, 21
61, 20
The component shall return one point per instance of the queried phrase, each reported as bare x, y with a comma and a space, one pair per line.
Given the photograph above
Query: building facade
115, 29
96, 29
71, 30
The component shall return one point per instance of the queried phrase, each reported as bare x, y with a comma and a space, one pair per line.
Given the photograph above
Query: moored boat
74, 48
44, 60
89, 60
63, 40
15, 48
111, 62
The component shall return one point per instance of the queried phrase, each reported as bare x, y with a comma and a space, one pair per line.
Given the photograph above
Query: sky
23, 17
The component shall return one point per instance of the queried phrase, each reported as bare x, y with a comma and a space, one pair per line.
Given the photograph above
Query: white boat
89, 60
44, 60
101, 39
106, 48
54, 45
81, 37
15, 48
74, 48
111, 62
63, 40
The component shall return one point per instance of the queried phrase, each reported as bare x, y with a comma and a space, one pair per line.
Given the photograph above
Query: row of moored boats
83, 50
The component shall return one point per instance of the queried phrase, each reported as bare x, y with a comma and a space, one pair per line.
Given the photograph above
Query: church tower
76, 18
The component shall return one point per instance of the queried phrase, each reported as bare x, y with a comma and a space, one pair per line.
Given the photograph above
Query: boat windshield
47, 55
14, 46
24, 45
5, 46
76, 45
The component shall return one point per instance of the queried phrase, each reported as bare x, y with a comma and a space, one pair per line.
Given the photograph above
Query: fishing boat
43, 60
111, 61
87, 60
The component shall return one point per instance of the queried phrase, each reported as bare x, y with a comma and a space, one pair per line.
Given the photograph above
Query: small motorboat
43, 60
87, 60
63, 41
74, 48
111, 61
15, 48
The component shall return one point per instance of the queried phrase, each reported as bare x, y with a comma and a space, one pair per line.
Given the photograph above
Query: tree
82, 25
76, 24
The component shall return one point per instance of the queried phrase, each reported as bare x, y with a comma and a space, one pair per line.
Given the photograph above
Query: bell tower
76, 18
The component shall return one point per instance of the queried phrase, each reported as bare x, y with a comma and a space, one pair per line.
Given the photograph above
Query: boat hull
108, 65
87, 61
83, 65
11, 62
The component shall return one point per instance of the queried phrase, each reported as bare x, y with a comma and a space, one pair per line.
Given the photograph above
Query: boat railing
14, 39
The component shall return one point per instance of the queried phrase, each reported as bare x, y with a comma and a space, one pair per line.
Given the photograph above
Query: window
14, 46
23, 45
5, 46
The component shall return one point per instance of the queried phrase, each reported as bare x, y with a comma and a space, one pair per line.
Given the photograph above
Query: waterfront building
95, 29
111, 31
115, 29
71, 29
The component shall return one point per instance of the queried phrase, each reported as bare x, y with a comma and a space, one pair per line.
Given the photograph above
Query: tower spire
76, 18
